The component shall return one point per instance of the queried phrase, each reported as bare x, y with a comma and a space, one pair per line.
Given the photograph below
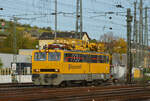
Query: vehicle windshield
54, 56
40, 56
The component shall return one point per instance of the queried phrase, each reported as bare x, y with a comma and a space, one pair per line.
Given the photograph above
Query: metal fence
9, 71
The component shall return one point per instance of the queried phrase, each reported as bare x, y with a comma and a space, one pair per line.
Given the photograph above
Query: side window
98, 59
94, 58
69, 57
74, 58
54, 56
36, 56
78, 57
85, 58
107, 59
40, 56
101, 57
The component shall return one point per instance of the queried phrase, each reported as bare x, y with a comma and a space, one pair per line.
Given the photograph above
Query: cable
43, 11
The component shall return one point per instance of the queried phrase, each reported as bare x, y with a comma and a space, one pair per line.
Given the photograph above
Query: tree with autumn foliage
120, 46
1, 64
113, 44
6, 45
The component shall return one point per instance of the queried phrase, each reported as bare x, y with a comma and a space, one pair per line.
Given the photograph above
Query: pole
146, 29
55, 19
135, 25
137, 46
14, 65
129, 60
141, 34
77, 15
79, 24
141, 21
146, 39
135, 36
77, 18
15, 43
80, 18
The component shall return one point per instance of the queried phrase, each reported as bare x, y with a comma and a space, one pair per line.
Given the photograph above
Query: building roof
33, 33
50, 35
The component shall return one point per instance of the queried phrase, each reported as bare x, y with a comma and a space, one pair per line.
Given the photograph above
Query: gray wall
8, 58
119, 60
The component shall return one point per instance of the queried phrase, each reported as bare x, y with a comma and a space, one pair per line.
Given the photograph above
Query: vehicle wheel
68, 84
83, 83
37, 82
95, 83
63, 84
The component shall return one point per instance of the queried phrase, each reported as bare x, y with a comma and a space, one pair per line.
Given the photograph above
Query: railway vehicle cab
46, 64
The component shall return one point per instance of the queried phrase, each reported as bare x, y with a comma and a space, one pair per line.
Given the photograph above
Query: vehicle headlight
36, 70
56, 70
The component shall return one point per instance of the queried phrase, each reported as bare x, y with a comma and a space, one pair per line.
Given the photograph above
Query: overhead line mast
129, 55
146, 39
135, 24
141, 34
79, 22
55, 19
14, 79
135, 38
146, 28
15, 41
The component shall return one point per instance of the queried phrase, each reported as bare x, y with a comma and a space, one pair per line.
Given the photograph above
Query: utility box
136, 73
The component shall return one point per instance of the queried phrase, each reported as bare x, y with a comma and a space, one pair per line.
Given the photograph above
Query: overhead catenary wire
91, 14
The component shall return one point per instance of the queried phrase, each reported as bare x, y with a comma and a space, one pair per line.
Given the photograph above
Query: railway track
10, 85
31, 85
76, 93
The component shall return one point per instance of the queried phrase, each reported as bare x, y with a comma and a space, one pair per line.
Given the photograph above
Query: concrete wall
26, 51
5, 79
118, 59
24, 78
8, 58
20, 78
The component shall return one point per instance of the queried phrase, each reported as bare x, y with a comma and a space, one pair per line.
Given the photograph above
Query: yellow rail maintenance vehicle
67, 67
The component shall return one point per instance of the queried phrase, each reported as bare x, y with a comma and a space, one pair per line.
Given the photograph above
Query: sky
96, 21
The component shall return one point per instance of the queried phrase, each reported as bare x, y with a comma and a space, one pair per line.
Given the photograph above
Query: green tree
93, 41
1, 64
48, 28
23, 37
